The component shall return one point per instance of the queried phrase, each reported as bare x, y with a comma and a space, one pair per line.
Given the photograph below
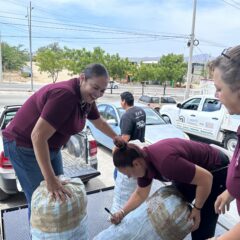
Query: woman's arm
222, 204
103, 126
203, 181
136, 199
39, 136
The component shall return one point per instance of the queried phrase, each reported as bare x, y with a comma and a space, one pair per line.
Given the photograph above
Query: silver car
156, 127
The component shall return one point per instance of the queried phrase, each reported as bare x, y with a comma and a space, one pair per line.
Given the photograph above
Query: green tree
171, 68
13, 58
50, 59
117, 67
145, 72
76, 59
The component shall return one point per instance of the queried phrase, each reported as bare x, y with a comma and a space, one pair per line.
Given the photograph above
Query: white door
210, 118
187, 119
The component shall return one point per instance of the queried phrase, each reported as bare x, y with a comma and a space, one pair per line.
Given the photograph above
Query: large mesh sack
164, 216
56, 219
124, 186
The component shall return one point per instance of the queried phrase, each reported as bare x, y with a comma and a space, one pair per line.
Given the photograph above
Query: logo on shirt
140, 124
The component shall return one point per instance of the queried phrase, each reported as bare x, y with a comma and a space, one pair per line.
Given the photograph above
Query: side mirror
112, 122
166, 119
179, 105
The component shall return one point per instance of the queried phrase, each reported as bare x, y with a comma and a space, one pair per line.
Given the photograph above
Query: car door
187, 119
97, 134
210, 118
112, 119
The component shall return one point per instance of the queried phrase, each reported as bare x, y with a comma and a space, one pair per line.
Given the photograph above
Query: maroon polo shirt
175, 159
60, 105
233, 177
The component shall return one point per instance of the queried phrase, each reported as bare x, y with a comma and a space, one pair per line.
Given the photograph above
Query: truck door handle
215, 118
193, 115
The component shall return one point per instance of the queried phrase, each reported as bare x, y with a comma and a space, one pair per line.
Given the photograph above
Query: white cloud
215, 22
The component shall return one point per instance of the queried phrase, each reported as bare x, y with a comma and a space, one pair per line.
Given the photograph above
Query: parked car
156, 102
113, 84
156, 127
206, 117
79, 156
26, 71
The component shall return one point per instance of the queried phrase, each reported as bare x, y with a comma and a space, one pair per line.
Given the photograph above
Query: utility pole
189, 72
30, 41
1, 79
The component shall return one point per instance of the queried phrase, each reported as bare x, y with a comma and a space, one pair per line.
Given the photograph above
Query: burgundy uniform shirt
233, 177
60, 105
174, 160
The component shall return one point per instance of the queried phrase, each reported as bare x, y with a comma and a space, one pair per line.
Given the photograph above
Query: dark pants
208, 216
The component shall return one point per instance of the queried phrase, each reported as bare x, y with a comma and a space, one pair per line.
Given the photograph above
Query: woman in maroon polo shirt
227, 82
196, 169
46, 121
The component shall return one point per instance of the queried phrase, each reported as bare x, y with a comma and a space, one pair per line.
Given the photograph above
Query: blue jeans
26, 167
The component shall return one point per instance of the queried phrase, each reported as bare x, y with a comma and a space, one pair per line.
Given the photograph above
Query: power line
231, 4
94, 29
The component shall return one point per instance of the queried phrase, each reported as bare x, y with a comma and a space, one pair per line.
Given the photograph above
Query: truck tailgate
75, 167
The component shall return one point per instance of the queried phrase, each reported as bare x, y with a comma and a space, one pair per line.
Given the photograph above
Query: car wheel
3, 195
230, 141
116, 87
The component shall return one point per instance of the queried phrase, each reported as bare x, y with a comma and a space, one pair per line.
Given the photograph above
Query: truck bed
16, 218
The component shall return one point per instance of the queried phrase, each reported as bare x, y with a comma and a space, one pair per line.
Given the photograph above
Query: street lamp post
111, 85
143, 85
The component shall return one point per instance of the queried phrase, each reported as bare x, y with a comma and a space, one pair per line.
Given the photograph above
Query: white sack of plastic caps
163, 216
124, 186
57, 220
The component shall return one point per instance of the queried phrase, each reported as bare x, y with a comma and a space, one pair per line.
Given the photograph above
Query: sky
131, 28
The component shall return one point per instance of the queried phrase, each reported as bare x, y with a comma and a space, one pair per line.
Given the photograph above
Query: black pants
208, 216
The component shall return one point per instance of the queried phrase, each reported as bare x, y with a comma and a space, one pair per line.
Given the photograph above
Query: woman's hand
57, 190
196, 217
222, 204
117, 217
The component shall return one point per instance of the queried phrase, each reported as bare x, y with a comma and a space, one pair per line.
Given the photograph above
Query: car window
7, 118
101, 109
110, 113
155, 100
168, 100
152, 118
121, 111
191, 104
211, 105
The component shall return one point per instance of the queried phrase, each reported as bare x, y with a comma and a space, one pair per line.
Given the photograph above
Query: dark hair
125, 154
229, 65
128, 98
95, 70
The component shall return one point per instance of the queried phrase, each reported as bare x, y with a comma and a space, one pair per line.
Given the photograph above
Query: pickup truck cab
206, 117
79, 157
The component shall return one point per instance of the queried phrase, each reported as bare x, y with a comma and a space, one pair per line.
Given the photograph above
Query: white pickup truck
206, 117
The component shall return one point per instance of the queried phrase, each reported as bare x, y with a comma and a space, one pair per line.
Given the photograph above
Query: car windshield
152, 118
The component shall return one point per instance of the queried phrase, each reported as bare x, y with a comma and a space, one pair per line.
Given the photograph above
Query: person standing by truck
45, 122
226, 78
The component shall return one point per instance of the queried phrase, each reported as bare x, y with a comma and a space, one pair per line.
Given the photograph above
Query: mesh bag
59, 220
164, 216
